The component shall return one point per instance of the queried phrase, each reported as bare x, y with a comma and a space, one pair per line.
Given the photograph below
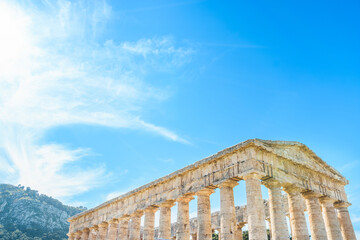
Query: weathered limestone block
227, 210
183, 218
347, 229
331, 221
149, 223
255, 207
135, 225
204, 214
279, 228
165, 219
317, 225
299, 229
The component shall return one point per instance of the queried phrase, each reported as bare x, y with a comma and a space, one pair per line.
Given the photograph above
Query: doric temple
296, 178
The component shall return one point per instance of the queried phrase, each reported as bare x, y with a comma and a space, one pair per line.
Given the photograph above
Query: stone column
183, 218
255, 207
317, 225
93, 232
279, 228
85, 234
331, 221
123, 231
193, 236
347, 229
103, 228
227, 210
71, 236
269, 223
288, 216
149, 223
135, 225
297, 216
204, 213
112, 229
165, 219
78, 235
239, 233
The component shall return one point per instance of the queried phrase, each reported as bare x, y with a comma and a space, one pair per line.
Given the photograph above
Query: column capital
310, 194
137, 213
205, 192
342, 204
125, 217
151, 209
167, 203
271, 183
253, 175
228, 183
241, 224
94, 227
103, 224
185, 198
327, 200
114, 221
70, 235
292, 189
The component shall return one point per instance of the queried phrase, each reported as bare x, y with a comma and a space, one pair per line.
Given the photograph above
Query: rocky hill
27, 215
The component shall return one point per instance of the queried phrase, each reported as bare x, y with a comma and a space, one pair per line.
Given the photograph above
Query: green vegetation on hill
26, 214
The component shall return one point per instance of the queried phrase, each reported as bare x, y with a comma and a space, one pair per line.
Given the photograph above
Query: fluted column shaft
183, 218
165, 219
331, 221
112, 229
317, 225
255, 208
239, 233
85, 234
204, 214
347, 229
135, 225
297, 216
227, 210
123, 232
277, 223
219, 233
103, 229
149, 223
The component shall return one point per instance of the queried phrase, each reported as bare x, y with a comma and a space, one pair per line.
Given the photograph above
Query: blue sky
100, 97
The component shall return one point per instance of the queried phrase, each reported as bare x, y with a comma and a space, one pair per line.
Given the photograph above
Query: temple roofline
264, 144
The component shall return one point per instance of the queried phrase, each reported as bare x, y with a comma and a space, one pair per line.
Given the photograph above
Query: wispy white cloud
57, 72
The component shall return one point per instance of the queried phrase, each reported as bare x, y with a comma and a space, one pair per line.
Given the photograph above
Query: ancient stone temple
296, 178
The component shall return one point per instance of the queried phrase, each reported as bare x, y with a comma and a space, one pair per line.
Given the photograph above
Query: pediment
300, 154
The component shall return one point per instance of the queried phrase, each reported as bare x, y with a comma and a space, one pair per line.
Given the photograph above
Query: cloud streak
63, 74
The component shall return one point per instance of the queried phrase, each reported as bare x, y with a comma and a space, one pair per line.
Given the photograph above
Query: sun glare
14, 38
